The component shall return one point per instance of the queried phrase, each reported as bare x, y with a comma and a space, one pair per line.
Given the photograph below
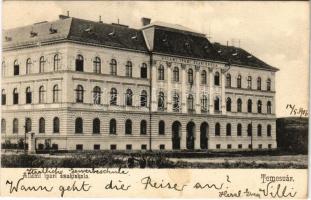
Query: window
269, 146
96, 126
217, 146
41, 64
79, 63
259, 128
216, 79
269, 130
229, 146
41, 125
15, 125
113, 126
56, 62
3, 68
228, 80
113, 67
128, 147
129, 97
128, 127
239, 81
79, 94
143, 70
56, 125
161, 72
28, 66
239, 107
250, 146
216, 104
113, 147
228, 130
55, 94
128, 69
96, 95
204, 103
249, 130
15, 96
143, 147
161, 101
96, 146
162, 146
190, 103
190, 76
143, 98
240, 146
143, 127
176, 106
79, 147
41, 94
228, 104
259, 106
217, 129
161, 127
239, 130
259, 146
249, 82
97, 65
203, 77
249, 106
113, 96
79, 125
28, 125
269, 84
269, 109
176, 74
3, 126
258, 83
3, 97
16, 68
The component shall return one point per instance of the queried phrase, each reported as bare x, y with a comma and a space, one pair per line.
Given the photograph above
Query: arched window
249, 130
143, 70
258, 83
176, 74
113, 67
204, 103
15, 96
190, 102
216, 79
228, 130
56, 62
97, 65
269, 107
3, 68
129, 97
239, 130
268, 84
15, 125
56, 125
228, 104
79, 94
79, 125
3, 126
239, 105
113, 96
161, 101
16, 68
113, 126
55, 94
259, 128
228, 80
28, 125
176, 105
161, 72
96, 126
3, 97
249, 82
268, 130
216, 104
190, 76
79, 63
128, 69
217, 129
161, 127
259, 106
128, 127
143, 127
28, 95
143, 98
41, 64
28, 66
239, 81
41, 125
96, 95
249, 105
41, 94
203, 77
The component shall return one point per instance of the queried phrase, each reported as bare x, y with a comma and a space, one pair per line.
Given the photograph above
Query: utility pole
25, 136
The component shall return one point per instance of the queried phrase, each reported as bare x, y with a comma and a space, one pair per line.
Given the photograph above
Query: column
223, 94
169, 86
197, 142
211, 90
153, 87
183, 141
183, 89
197, 90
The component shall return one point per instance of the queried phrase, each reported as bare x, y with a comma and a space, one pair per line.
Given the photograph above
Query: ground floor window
79, 147
240, 146
229, 146
113, 147
162, 146
217, 146
128, 147
250, 146
260, 146
96, 147
269, 146
143, 147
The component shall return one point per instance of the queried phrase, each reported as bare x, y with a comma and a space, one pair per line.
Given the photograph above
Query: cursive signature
276, 191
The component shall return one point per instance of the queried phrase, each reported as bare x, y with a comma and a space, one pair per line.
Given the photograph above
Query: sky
275, 32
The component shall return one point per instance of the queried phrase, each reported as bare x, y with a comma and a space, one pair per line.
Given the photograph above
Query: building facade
85, 85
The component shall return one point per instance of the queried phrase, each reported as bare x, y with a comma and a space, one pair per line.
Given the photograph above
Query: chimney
100, 19
64, 16
145, 21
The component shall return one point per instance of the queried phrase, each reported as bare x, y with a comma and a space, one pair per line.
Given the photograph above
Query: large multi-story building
79, 84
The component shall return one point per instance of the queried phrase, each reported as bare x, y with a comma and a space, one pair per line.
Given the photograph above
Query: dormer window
33, 34
89, 29
52, 30
113, 33
8, 39
134, 37
187, 45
